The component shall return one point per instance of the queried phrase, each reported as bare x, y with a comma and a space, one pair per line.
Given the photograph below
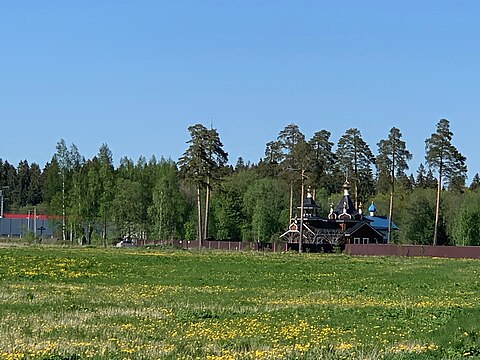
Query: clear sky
135, 74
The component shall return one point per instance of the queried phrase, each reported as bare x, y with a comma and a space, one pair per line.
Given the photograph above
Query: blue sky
135, 74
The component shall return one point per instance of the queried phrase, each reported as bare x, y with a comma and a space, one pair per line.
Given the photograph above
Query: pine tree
421, 181
269, 166
199, 162
444, 158
430, 181
295, 154
240, 165
35, 196
475, 185
321, 161
284, 157
217, 159
23, 183
411, 180
355, 160
392, 159
8, 184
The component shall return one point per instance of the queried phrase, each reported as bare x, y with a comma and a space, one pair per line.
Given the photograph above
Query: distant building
343, 225
19, 225
379, 223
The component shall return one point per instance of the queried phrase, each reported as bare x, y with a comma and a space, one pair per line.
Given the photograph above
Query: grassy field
78, 303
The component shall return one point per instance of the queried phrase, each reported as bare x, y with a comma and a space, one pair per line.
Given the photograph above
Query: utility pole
35, 221
2, 198
437, 207
301, 213
64, 237
392, 190
1, 209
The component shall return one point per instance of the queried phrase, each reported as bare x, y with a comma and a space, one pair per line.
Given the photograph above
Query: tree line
201, 196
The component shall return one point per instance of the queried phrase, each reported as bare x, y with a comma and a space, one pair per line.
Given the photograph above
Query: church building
344, 225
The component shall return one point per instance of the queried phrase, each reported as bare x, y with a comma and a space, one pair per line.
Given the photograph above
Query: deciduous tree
126, 206
64, 163
169, 208
466, 226
107, 187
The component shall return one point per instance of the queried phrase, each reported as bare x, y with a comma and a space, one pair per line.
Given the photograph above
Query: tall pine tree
198, 164
392, 159
444, 158
321, 161
355, 160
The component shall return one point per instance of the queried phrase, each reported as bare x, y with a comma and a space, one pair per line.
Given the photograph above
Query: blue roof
380, 222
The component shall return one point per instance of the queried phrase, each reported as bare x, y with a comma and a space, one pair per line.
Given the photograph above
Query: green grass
80, 303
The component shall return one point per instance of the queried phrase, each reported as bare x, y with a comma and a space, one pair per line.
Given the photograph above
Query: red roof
31, 216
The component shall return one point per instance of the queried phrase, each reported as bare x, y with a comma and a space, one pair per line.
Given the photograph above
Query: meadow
94, 303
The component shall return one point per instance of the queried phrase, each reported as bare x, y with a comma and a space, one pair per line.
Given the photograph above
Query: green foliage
107, 188
169, 208
204, 154
152, 199
355, 160
320, 170
392, 159
230, 217
443, 157
449, 163
200, 165
475, 185
126, 207
419, 219
263, 205
466, 225
293, 148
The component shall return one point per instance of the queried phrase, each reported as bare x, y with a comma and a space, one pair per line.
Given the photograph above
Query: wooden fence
217, 245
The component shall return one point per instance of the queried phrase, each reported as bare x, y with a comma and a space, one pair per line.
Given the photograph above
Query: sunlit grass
75, 303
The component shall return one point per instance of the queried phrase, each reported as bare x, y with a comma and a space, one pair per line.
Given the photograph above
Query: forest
203, 196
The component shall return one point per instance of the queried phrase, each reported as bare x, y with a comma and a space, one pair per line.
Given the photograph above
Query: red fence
472, 252
32, 216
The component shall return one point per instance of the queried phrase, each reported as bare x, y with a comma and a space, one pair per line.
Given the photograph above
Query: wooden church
344, 225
